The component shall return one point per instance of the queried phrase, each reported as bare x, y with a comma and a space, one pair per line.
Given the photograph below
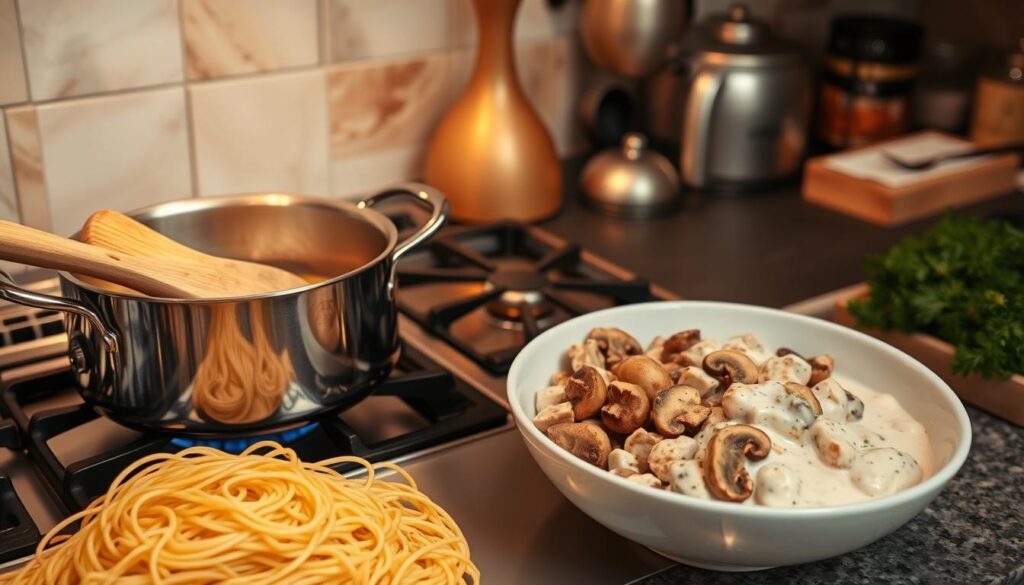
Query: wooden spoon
158, 277
116, 231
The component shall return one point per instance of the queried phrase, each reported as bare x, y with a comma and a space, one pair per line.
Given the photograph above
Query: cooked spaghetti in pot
261, 517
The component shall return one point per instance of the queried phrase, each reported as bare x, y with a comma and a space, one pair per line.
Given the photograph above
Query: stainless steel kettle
744, 100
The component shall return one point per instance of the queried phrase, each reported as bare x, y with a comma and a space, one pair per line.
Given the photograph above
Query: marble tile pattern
267, 133
121, 152
360, 29
8, 196
26, 152
76, 47
381, 116
12, 71
231, 37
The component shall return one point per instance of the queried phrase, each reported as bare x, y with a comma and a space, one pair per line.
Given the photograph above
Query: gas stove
468, 302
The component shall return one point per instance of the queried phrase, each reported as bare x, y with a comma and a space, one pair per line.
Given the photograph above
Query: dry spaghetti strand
262, 517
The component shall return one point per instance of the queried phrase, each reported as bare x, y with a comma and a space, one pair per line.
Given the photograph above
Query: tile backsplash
125, 103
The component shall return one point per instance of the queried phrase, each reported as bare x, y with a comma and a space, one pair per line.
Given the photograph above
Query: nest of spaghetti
263, 516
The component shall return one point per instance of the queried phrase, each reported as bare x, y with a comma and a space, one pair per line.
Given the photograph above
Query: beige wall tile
12, 71
261, 134
27, 163
535, 20
381, 116
8, 196
382, 105
550, 73
359, 29
75, 48
120, 152
355, 177
229, 37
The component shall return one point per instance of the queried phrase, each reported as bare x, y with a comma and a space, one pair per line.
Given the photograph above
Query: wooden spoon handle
27, 245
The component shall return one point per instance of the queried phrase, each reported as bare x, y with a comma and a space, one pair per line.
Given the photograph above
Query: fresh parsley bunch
961, 281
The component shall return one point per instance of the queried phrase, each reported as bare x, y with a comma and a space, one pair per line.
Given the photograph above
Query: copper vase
491, 155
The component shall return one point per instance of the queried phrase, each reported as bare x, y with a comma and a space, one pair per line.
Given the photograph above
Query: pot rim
277, 199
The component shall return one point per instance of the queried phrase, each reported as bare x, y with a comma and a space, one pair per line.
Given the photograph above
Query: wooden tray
889, 206
1003, 398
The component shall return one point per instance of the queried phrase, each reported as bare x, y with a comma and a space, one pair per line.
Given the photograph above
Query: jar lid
1009, 67
875, 38
741, 38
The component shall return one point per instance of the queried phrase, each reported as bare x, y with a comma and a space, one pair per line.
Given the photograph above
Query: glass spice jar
870, 69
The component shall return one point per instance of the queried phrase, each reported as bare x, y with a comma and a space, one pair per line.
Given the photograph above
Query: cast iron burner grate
489, 290
447, 406
18, 533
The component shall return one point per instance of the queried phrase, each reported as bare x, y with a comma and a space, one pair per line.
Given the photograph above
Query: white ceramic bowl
722, 535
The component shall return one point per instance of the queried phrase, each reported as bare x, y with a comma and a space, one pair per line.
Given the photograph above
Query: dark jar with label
869, 74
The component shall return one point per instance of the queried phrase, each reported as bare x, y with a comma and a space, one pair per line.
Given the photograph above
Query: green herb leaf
962, 281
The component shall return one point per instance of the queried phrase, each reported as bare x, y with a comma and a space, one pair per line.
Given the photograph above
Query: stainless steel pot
206, 367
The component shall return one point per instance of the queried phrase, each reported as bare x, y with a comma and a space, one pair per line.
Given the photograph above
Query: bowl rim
933, 483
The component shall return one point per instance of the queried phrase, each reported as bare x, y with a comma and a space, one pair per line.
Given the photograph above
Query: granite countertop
773, 249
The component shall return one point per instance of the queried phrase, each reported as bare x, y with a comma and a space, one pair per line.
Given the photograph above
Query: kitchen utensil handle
12, 292
25, 245
426, 197
696, 131
1005, 148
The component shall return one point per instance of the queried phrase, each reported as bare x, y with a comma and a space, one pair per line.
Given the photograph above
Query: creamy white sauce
884, 424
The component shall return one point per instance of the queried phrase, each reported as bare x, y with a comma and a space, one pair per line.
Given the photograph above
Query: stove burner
523, 289
237, 445
503, 278
449, 407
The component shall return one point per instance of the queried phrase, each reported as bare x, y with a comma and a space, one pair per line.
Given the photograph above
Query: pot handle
426, 197
11, 292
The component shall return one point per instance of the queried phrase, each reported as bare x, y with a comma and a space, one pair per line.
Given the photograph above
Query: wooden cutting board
1003, 398
893, 205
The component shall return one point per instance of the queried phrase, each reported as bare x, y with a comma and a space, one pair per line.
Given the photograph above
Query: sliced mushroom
622, 459
588, 442
640, 444
821, 368
654, 348
587, 391
626, 409
730, 366
854, 406
788, 368
623, 472
678, 343
674, 371
837, 403
884, 471
587, 353
805, 393
696, 354
646, 479
644, 372
777, 486
667, 452
836, 444
553, 415
699, 379
550, 396
677, 410
725, 470
615, 344
688, 479
559, 378
787, 351
750, 346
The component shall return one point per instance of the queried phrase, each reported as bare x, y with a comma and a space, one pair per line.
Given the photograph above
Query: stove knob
78, 355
